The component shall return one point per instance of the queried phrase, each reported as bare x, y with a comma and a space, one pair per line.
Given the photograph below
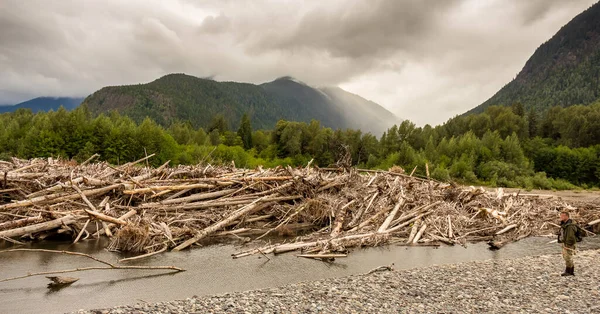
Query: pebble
500, 286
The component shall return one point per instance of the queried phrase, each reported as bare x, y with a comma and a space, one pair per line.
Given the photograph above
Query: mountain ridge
184, 97
564, 70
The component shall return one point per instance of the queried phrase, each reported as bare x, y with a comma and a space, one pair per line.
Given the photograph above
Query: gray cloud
423, 60
361, 29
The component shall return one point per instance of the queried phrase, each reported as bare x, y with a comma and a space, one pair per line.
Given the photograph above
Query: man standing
567, 237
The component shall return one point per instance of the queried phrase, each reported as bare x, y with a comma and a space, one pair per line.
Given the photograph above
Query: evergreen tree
517, 108
218, 123
245, 132
532, 123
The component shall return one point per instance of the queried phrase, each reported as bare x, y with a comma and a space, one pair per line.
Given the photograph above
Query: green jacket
567, 234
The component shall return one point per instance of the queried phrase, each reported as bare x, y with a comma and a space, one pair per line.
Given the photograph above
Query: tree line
503, 146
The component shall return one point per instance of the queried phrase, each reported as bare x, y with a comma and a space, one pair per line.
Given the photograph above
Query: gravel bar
523, 285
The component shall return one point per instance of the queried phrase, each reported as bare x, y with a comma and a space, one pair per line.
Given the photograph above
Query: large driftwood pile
319, 211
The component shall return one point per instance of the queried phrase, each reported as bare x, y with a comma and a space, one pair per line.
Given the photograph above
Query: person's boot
567, 272
572, 271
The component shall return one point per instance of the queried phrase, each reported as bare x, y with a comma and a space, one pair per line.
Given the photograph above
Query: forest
503, 146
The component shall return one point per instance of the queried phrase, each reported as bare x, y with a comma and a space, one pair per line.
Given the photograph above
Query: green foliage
245, 132
477, 149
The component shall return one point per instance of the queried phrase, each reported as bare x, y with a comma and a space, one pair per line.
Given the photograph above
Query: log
106, 218
339, 220
406, 223
319, 256
191, 198
129, 259
107, 227
413, 231
217, 226
508, 228
60, 281
594, 222
81, 231
441, 239
49, 225
168, 187
202, 205
20, 222
384, 226
361, 212
370, 219
414, 213
57, 187
57, 198
419, 234
94, 213
300, 209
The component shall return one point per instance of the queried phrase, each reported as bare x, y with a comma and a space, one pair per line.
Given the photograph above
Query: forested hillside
180, 97
503, 146
563, 71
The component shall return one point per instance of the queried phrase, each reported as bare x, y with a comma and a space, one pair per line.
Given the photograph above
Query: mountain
564, 71
188, 98
45, 104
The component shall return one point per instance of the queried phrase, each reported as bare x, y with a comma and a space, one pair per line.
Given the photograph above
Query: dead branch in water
109, 265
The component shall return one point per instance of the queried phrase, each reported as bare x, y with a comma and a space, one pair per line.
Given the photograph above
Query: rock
501, 286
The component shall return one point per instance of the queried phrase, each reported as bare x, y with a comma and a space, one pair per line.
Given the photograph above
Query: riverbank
522, 285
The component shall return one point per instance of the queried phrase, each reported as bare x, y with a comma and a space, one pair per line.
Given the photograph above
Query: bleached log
54, 188
230, 203
107, 227
215, 227
415, 212
57, 198
135, 258
168, 187
82, 231
441, 239
191, 198
508, 228
419, 234
93, 212
48, 225
450, 231
356, 218
406, 223
339, 219
413, 231
384, 226
594, 222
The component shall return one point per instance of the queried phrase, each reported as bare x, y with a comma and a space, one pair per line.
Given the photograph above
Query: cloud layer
423, 60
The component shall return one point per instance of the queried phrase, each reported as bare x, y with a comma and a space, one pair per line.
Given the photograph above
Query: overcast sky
425, 61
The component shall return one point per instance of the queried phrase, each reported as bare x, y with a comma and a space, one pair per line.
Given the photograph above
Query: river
211, 270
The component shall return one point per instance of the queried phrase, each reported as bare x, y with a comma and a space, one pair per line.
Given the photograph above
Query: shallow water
211, 270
